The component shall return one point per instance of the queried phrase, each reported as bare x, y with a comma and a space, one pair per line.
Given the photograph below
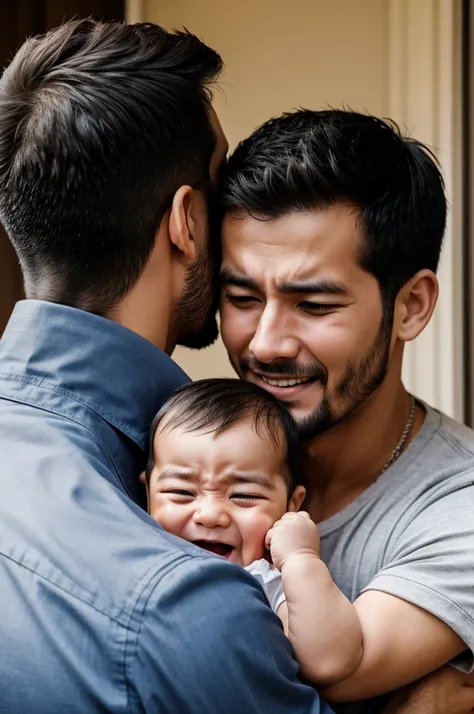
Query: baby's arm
377, 645
321, 623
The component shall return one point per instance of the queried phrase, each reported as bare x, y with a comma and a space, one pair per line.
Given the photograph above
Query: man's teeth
284, 382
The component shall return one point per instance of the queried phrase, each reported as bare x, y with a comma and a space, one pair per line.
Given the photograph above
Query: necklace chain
403, 439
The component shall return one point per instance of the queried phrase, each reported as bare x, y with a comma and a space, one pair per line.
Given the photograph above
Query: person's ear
297, 498
144, 482
188, 223
415, 304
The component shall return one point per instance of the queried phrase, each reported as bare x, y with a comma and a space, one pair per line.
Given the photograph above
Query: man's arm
417, 613
446, 691
209, 642
401, 643
377, 645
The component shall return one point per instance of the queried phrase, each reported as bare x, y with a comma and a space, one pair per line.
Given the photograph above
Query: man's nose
273, 338
211, 513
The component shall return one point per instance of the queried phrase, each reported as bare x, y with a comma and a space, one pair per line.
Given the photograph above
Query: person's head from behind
109, 153
224, 465
331, 239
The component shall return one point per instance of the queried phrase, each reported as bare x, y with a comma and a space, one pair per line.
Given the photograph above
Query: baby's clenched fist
293, 535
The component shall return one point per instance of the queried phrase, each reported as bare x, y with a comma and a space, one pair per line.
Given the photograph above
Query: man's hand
294, 534
446, 691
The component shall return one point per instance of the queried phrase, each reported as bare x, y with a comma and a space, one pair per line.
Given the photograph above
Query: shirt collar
110, 369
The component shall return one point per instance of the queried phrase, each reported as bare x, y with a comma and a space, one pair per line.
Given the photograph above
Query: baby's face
222, 492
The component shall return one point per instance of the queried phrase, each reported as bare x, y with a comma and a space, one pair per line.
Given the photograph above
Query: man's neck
344, 461
147, 310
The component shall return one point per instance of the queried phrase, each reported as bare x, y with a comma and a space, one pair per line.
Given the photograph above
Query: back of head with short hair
214, 405
100, 124
310, 160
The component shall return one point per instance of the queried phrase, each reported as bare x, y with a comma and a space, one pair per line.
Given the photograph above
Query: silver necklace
403, 439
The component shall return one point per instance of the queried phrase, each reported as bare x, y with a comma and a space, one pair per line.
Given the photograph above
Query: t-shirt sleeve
208, 642
270, 580
432, 565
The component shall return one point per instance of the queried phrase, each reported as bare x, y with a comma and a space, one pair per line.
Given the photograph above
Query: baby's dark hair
214, 405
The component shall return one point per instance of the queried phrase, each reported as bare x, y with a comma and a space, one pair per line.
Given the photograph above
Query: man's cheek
227, 333
237, 331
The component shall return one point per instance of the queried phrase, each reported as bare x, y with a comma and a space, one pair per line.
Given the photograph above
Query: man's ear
415, 304
297, 498
188, 223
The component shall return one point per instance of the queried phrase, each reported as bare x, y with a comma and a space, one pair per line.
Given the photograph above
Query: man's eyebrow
228, 277
315, 287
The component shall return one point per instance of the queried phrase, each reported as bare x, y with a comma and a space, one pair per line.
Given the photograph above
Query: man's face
199, 302
299, 316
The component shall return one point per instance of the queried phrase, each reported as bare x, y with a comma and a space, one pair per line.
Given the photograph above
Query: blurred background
410, 60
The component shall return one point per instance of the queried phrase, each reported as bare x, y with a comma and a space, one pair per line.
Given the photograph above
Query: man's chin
204, 338
316, 423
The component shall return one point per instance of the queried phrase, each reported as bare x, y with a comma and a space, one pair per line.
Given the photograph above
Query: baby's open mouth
222, 549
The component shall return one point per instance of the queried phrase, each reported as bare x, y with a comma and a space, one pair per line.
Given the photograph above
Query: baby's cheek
255, 533
168, 517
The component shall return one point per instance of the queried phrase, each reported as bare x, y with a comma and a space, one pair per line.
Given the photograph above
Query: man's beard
359, 381
196, 321
197, 307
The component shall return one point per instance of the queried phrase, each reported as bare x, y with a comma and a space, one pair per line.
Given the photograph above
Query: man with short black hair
109, 152
331, 241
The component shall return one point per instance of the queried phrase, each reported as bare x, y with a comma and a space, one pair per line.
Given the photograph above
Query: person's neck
137, 312
148, 308
343, 462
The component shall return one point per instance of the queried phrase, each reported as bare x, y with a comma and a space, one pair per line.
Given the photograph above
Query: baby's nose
212, 514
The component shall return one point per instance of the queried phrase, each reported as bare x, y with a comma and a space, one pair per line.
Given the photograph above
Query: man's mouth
216, 547
286, 382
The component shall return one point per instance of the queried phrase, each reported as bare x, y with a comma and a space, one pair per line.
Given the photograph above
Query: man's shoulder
458, 435
202, 599
444, 448
434, 480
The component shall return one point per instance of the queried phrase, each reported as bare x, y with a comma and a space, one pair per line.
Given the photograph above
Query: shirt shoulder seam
142, 596
455, 443
421, 586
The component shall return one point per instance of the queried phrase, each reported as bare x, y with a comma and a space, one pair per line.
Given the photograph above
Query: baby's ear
144, 482
297, 498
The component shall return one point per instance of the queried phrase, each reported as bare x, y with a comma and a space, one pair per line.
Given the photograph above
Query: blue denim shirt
101, 610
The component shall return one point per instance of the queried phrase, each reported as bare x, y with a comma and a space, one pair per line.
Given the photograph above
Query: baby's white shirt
269, 578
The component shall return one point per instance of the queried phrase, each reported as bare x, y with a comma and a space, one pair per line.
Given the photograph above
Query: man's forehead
296, 226
296, 246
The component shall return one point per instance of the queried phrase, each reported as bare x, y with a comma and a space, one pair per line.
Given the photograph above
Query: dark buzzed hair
311, 160
214, 405
100, 124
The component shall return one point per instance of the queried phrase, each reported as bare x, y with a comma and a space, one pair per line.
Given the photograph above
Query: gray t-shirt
411, 534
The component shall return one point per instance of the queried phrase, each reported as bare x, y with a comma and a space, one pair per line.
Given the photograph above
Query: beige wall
280, 55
